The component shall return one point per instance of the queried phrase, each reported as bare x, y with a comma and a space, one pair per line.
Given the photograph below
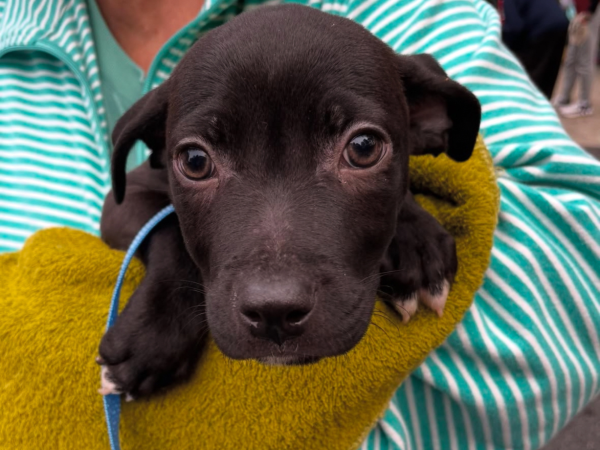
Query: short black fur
278, 254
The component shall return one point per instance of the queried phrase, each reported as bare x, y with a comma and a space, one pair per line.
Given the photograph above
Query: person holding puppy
525, 358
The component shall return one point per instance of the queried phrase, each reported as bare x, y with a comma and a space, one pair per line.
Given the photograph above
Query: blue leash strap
112, 402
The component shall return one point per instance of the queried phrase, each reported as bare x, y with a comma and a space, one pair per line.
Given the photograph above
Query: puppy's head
286, 135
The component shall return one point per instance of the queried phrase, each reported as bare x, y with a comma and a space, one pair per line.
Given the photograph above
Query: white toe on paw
107, 386
406, 307
436, 300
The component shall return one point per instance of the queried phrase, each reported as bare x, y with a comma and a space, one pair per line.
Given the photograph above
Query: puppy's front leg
420, 263
157, 338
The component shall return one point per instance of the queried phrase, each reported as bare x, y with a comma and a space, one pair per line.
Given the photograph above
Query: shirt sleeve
526, 357
519, 126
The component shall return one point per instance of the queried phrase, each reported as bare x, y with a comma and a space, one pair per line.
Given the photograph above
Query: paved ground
583, 432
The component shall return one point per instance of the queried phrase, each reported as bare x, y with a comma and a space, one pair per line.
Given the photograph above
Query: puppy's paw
107, 386
434, 300
419, 266
140, 357
147, 368
406, 307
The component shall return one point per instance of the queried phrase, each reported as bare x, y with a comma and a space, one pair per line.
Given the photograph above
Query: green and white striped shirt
525, 358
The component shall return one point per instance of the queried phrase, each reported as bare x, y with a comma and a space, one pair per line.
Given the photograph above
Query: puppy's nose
276, 310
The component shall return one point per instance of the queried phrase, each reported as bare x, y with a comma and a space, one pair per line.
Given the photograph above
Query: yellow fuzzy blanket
54, 298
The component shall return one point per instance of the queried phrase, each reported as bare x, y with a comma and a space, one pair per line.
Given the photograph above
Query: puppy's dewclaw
107, 386
436, 300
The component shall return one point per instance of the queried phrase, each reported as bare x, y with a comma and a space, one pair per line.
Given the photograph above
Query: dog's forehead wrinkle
243, 62
275, 118
194, 117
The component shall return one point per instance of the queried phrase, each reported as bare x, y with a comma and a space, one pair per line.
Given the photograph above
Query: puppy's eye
363, 151
195, 163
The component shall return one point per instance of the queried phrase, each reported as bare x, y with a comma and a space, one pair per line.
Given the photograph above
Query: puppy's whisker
196, 305
383, 293
197, 316
170, 281
191, 282
202, 337
201, 291
193, 319
398, 305
385, 316
379, 328
179, 316
380, 274
388, 272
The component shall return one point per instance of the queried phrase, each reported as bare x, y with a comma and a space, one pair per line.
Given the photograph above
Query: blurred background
557, 41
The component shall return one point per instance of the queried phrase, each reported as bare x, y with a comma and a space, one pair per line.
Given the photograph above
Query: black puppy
282, 139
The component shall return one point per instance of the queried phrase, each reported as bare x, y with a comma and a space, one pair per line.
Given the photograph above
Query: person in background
536, 32
580, 60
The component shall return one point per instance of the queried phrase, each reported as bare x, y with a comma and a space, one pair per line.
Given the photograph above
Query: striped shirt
526, 357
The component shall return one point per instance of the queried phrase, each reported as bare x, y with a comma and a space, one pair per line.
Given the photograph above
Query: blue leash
112, 402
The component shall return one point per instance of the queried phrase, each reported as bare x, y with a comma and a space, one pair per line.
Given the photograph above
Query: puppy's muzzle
275, 308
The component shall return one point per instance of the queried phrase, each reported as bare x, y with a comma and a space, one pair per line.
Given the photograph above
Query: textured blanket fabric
54, 298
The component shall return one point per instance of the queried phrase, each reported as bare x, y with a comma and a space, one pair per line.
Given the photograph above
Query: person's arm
520, 127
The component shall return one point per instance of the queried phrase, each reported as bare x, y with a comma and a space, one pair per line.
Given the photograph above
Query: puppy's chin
291, 360
334, 327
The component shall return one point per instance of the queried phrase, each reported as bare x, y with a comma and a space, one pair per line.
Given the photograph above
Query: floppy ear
444, 116
146, 121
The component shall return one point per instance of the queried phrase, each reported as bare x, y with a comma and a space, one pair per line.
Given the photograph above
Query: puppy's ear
444, 116
146, 121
